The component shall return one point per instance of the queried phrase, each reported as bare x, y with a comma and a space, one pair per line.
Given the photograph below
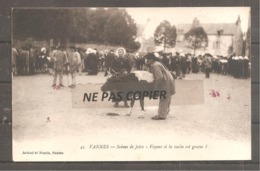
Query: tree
165, 35
97, 23
196, 36
120, 28
134, 45
112, 25
42, 24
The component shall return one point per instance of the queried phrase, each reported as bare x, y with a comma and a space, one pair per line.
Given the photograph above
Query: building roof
210, 29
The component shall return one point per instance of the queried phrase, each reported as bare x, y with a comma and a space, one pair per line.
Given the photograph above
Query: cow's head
111, 83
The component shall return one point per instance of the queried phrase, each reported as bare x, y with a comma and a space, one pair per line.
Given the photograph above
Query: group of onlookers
183, 64
28, 61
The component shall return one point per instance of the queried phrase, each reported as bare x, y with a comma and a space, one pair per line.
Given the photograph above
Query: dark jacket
119, 65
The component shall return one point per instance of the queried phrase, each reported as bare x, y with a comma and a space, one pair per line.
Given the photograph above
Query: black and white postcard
131, 84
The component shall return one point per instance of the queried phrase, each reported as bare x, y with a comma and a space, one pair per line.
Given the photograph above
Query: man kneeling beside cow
157, 83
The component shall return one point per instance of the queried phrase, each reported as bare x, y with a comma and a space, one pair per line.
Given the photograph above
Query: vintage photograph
131, 84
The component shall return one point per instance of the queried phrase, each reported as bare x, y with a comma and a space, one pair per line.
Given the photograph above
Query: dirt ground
44, 120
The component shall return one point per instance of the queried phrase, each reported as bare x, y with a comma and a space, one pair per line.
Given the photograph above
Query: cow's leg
131, 108
142, 103
142, 107
132, 102
126, 105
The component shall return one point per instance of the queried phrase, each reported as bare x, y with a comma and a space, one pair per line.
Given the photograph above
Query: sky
185, 15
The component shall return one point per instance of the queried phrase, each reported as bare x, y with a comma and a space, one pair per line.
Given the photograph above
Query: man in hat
73, 64
177, 64
164, 81
109, 57
59, 58
32, 57
188, 62
183, 64
207, 64
165, 60
25, 57
195, 64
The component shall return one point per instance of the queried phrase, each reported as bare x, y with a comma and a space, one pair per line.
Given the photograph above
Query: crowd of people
183, 64
28, 61
165, 67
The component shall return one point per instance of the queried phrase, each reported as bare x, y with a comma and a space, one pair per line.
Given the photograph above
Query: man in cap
59, 59
164, 81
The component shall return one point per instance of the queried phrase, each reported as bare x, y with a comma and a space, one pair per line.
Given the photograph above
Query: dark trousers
207, 71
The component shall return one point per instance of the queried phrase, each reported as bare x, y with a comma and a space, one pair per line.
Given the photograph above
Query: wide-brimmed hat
61, 48
73, 47
208, 54
150, 56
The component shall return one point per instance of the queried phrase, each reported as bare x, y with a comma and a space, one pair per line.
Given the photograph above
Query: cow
134, 86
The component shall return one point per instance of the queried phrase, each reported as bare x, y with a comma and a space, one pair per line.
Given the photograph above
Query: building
223, 38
